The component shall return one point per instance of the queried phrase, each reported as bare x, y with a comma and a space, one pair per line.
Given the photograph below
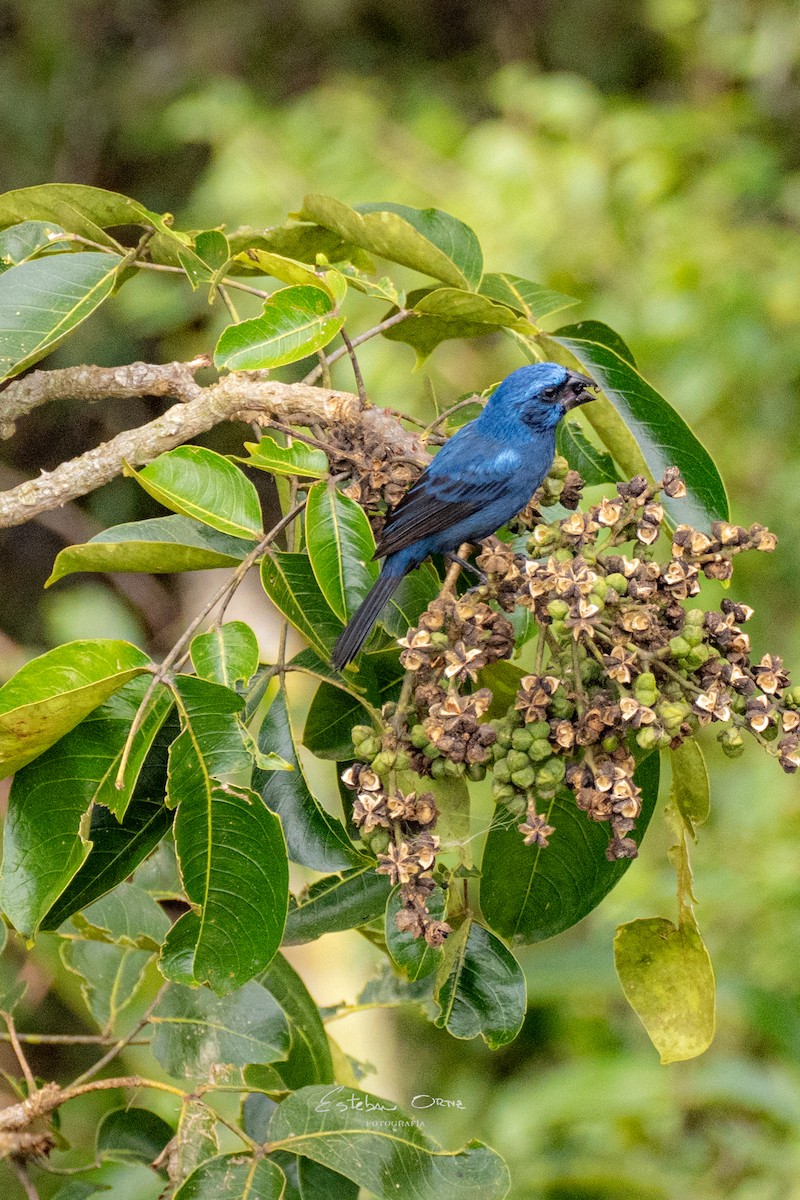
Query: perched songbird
481, 478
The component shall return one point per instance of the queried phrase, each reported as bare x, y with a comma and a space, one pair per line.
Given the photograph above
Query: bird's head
541, 394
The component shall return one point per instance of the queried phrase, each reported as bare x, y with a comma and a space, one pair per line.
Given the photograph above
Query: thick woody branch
245, 396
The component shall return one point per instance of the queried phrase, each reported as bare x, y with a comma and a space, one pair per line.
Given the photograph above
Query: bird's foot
462, 562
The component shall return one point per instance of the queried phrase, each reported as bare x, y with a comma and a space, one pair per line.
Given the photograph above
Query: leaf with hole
296, 458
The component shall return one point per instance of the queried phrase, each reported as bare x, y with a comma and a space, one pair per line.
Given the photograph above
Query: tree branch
244, 396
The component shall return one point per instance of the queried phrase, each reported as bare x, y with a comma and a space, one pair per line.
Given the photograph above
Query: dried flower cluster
623, 666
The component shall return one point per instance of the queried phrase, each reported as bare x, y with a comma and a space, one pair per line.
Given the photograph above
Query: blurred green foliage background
641, 156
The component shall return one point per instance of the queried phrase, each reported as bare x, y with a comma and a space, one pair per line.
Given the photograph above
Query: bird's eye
549, 393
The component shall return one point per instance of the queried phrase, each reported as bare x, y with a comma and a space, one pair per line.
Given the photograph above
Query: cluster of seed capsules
624, 664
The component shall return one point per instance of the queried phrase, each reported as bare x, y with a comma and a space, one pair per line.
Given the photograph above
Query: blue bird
481, 478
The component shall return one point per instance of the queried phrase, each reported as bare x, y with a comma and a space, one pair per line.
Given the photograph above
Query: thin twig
70, 1039
21, 1059
395, 319
124, 1041
231, 307
310, 441
434, 425
25, 1180
362, 391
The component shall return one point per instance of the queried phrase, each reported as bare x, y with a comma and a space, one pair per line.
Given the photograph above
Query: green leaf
291, 585
414, 957
309, 1058
383, 289
529, 894
195, 1139
128, 916
691, 791
45, 844
161, 545
337, 902
43, 300
234, 1177
503, 680
209, 260
158, 875
292, 271
20, 242
196, 1031
663, 436
310, 663
443, 313
297, 458
295, 322
480, 987
333, 712
667, 977
130, 1134
425, 239
116, 849
51, 694
593, 465
405, 607
341, 547
227, 654
530, 299
111, 976
314, 837
200, 483
224, 833
336, 1127
302, 242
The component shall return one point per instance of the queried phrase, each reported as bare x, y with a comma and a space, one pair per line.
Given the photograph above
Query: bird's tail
352, 638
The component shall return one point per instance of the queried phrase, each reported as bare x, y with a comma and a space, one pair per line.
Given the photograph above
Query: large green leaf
234, 1177
43, 300
302, 242
341, 546
298, 458
594, 466
309, 1058
667, 977
117, 849
89, 211
442, 313
414, 957
663, 436
196, 1031
691, 790
337, 902
158, 546
200, 483
227, 654
51, 694
231, 848
529, 894
480, 987
530, 299
132, 1134
336, 1127
295, 322
426, 239
46, 842
314, 837
291, 585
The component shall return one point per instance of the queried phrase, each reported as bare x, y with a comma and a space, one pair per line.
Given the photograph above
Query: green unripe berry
697, 656
497, 751
596, 599
517, 805
431, 751
647, 737
618, 582
540, 729
359, 732
559, 631
504, 736
369, 747
559, 468
517, 760
502, 771
679, 647
673, 713
418, 737
693, 634
646, 682
791, 697
439, 638
551, 773
378, 840
502, 792
455, 770
384, 761
610, 744
438, 768
561, 706
540, 750
695, 616
521, 739
558, 609
403, 761
525, 777
600, 588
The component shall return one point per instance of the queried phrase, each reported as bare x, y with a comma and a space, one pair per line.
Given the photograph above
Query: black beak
574, 390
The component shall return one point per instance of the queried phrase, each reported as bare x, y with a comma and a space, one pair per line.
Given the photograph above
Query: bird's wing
452, 489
